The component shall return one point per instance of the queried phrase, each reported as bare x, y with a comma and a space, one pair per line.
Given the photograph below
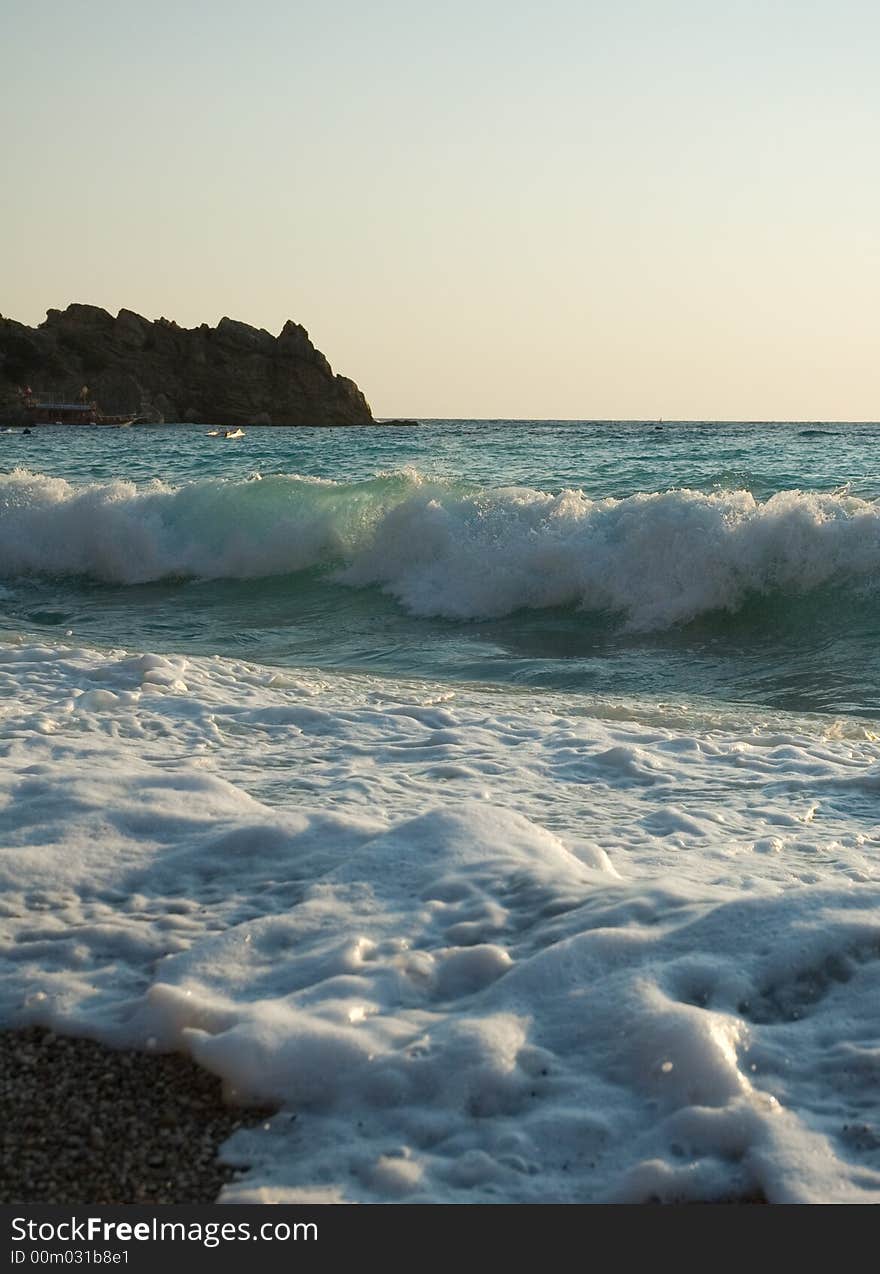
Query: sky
565, 209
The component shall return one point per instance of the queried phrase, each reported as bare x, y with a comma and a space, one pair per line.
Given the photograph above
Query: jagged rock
233, 374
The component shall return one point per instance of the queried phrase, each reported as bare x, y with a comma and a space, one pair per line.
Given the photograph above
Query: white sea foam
658, 559
484, 946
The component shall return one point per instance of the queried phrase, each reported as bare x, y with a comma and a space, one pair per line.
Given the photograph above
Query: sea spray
448, 549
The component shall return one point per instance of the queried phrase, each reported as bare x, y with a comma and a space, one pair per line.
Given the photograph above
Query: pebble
83, 1123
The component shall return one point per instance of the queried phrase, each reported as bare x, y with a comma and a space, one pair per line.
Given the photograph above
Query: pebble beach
83, 1123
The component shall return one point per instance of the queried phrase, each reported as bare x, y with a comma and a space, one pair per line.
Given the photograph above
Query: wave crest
446, 549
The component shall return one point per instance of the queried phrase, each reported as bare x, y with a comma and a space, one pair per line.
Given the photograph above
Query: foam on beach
485, 946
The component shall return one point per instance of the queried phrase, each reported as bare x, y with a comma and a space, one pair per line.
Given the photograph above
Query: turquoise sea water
496, 800
735, 561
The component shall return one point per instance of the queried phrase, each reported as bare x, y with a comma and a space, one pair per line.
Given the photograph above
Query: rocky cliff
231, 374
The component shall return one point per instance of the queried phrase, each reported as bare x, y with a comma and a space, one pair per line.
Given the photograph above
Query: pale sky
569, 209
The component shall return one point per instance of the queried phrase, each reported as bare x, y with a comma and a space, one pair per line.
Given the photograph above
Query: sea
498, 800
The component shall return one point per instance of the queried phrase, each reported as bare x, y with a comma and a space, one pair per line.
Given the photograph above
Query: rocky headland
231, 374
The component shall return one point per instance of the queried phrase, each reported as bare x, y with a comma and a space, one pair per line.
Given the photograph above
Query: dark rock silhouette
231, 374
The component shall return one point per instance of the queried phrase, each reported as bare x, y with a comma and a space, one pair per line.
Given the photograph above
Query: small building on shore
55, 409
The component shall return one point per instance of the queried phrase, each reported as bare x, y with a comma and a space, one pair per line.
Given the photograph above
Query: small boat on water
234, 433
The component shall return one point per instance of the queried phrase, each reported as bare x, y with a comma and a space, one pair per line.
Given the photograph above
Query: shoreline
87, 1124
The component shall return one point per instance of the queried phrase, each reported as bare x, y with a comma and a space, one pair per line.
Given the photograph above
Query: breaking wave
446, 548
